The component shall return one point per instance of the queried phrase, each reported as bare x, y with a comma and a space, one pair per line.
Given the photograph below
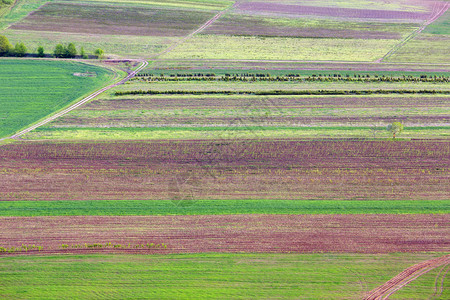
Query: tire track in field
200, 29
406, 276
438, 11
144, 63
439, 287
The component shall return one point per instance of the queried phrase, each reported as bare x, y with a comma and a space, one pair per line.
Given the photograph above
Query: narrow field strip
183, 276
217, 207
230, 233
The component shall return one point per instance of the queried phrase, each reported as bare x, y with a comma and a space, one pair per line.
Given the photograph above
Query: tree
59, 51
100, 53
83, 54
71, 51
395, 128
40, 51
5, 46
20, 50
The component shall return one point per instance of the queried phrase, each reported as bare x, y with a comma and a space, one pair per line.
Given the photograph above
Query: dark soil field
226, 169
239, 233
113, 20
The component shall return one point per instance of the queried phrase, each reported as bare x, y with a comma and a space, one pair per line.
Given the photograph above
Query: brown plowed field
236, 233
229, 102
227, 169
113, 20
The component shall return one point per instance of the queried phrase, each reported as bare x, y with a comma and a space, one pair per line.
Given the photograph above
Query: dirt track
79, 103
405, 277
438, 11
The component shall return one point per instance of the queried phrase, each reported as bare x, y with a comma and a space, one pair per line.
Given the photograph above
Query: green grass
20, 11
32, 89
217, 207
200, 276
247, 132
261, 48
426, 285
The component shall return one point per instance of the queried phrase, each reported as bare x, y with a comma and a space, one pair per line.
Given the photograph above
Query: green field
201, 276
217, 207
31, 90
261, 48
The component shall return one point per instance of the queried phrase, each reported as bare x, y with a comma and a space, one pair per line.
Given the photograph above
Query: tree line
60, 51
291, 78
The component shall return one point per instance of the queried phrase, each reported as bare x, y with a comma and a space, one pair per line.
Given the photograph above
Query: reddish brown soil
330, 11
113, 20
143, 103
237, 233
227, 169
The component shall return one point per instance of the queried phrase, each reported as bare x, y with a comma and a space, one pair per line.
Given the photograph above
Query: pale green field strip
262, 48
192, 4
264, 86
33, 89
426, 48
136, 46
202, 276
244, 132
217, 207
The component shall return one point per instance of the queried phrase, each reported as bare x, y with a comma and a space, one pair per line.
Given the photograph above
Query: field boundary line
405, 277
437, 13
17, 135
200, 29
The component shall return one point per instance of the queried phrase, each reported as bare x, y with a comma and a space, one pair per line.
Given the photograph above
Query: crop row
280, 92
290, 77
234, 233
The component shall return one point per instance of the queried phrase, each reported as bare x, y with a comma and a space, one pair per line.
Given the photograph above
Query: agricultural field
283, 276
293, 149
226, 169
53, 86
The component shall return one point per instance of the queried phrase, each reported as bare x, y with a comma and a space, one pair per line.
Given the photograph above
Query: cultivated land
321, 170
248, 159
45, 87
283, 276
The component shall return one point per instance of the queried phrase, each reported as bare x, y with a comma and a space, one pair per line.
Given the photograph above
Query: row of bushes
60, 51
295, 79
279, 92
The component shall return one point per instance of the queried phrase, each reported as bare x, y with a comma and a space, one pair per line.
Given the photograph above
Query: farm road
200, 29
408, 275
439, 9
79, 103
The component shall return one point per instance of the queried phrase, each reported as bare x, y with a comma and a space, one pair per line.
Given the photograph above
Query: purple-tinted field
299, 10
232, 233
372, 170
113, 20
235, 25
167, 102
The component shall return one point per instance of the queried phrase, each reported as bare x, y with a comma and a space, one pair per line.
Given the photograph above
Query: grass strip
218, 207
203, 276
